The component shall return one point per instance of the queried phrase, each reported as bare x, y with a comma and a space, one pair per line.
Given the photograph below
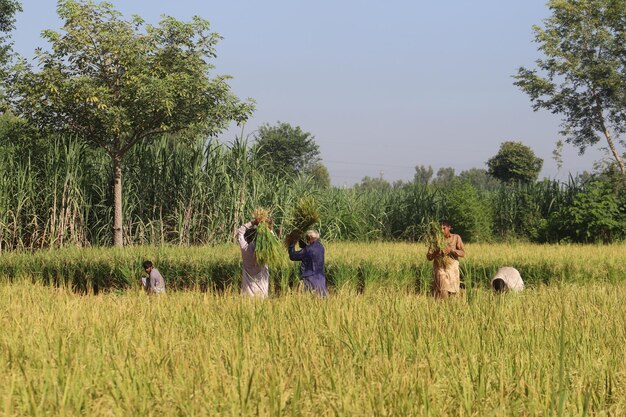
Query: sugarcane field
288, 209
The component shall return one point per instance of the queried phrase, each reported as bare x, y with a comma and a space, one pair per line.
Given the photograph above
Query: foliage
581, 76
480, 179
595, 214
8, 9
320, 175
287, 150
444, 177
468, 211
515, 162
423, 174
115, 83
369, 184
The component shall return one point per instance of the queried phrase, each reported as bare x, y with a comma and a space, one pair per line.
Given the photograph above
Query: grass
555, 350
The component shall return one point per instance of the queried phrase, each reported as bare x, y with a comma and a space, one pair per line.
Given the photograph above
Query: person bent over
154, 282
312, 263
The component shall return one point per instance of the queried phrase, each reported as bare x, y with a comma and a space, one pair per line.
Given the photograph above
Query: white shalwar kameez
256, 279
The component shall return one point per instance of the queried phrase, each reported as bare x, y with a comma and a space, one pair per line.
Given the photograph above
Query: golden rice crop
555, 350
305, 214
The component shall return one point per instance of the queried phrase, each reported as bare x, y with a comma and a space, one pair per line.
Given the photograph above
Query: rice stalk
435, 240
305, 214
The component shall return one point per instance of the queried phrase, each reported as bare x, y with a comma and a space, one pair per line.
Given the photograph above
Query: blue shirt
312, 257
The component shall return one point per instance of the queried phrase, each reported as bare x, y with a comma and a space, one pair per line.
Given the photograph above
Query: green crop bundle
268, 250
435, 240
305, 214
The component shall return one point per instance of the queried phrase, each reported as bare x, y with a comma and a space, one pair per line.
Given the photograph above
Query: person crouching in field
256, 278
154, 282
446, 273
312, 263
507, 279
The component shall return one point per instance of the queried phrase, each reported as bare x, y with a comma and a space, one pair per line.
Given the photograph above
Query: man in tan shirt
446, 273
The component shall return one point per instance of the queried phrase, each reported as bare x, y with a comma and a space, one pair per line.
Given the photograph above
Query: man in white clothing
256, 278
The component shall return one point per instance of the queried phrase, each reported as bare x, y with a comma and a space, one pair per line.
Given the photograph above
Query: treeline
56, 191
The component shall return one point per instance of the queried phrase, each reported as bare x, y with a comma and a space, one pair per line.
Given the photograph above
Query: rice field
552, 350
356, 266
80, 338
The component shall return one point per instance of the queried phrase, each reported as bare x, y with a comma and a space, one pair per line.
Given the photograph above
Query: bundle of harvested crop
268, 250
305, 214
436, 242
262, 215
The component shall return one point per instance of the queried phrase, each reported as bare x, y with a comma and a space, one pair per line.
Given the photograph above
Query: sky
382, 86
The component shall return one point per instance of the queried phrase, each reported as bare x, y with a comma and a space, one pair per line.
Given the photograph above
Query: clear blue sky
383, 86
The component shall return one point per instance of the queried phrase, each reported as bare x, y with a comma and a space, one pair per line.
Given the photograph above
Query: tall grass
56, 192
547, 351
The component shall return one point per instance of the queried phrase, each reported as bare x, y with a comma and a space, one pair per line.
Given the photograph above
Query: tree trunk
118, 237
616, 155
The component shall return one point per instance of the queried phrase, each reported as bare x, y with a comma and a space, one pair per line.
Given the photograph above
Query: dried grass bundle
305, 214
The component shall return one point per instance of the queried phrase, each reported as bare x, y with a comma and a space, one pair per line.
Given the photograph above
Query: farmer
256, 278
154, 282
312, 266
446, 273
507, 279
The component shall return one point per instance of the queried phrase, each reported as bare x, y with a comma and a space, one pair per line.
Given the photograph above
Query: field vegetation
355, 266
551, 350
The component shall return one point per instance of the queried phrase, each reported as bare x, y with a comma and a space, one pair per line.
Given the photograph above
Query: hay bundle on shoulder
268, 250
305, 214
436, 242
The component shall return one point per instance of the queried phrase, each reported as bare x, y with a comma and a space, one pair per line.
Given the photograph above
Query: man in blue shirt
312, 266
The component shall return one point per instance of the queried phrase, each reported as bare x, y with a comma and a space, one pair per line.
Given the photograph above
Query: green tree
480, 179
423, 174
115, 83
444, 177
8, 9
373, 184
287, 150
468, 210
582, 74
320, 175
595, 214
515, 162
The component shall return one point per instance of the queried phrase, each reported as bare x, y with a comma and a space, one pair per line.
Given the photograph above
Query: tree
8, 9
582, 76
480, 179
320, 175
287, 150
373, 184
515, 162
423, 174
115, 83
444, 177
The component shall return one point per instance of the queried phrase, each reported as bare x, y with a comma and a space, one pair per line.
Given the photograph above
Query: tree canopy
582, 76
8, 9
515, 162
287, 150
115, 82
